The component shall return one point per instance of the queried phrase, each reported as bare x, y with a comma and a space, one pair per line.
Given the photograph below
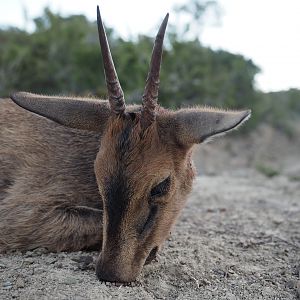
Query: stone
20, 283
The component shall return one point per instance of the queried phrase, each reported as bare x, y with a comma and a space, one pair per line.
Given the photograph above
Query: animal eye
162, 188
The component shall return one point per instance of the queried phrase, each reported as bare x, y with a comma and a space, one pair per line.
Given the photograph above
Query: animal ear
194, 126
77, 113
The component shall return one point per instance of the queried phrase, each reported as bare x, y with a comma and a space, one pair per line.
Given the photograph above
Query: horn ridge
150, 96
115, 92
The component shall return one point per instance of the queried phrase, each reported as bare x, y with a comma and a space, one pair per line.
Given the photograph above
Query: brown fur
112, 175
41, 163
69, 189
51, 196
149, 159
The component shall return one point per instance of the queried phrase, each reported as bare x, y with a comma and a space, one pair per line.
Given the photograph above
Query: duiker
91, 173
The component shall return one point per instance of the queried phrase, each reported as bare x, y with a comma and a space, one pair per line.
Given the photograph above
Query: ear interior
194, 126
80, 113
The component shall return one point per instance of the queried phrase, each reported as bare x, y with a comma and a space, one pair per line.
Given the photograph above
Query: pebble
28, 261
290, 284
69, 280
51, 261
20, 283
278, 221
266, 291
40, 251
230, 296
59, 265
39, 271
28, 254
7, 285
83, 259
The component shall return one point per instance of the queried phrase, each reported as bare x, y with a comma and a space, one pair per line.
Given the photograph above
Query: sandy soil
238, 238
265, 148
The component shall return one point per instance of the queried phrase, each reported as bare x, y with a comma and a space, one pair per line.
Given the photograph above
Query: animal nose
109, 272
105, 275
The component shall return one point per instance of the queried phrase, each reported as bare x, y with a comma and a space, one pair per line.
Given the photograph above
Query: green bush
62, 56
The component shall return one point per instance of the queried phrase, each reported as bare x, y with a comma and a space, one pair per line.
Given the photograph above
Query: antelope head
143, 168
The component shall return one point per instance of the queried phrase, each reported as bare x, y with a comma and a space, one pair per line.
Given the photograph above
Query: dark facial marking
117, 189
117, 198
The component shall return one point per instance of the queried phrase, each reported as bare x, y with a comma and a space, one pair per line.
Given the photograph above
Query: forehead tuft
126, 137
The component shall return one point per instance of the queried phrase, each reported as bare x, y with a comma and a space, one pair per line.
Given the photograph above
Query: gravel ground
238, 238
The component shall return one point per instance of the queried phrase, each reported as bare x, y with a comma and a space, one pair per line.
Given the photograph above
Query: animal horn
115, 92
150, 95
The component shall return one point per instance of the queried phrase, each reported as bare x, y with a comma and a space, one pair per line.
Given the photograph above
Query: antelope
80, 173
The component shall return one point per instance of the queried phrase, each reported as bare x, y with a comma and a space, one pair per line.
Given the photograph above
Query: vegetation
62, 56
266, 170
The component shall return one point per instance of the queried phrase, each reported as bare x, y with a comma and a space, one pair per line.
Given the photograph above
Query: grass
268, 171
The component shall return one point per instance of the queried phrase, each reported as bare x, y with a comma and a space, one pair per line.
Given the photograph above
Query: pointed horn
115, 93
150, 95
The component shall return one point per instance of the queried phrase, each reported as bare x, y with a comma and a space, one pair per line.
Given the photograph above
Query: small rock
40, 251
20, 283
84, 262
230, 296
28, 261
2, 266
83, 259
59, 265
290, 284
7, 287
51, 261
69, 280
39, 271
278, 221
219, 272
210, 210
268, 292
7, 283
28, 254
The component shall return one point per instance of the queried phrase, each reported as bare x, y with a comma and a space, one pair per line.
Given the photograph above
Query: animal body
87, 173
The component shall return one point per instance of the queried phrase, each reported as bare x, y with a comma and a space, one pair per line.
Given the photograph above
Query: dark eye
162, 188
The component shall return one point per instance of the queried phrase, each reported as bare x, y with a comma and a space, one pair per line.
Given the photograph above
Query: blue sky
264, 30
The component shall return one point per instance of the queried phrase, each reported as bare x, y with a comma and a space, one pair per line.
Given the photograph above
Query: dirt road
238, 238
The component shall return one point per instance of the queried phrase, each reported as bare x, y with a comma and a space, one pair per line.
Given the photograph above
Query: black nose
109, 272
106, 275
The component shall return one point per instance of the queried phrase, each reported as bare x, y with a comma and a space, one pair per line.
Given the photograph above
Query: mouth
151, 256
